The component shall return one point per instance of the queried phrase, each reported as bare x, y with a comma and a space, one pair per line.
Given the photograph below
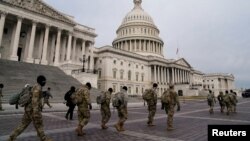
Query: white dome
137, 15
138, 33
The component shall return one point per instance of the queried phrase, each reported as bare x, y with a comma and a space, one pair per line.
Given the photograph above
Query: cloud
212, 35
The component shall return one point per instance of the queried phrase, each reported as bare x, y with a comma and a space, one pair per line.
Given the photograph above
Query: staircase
14, 75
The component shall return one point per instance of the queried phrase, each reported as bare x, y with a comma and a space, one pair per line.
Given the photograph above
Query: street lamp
83, 60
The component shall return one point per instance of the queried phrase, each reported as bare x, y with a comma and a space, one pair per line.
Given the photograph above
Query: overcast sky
212, 35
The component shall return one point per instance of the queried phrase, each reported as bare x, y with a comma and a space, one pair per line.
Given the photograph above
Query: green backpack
165, 97
147, 95
22, 98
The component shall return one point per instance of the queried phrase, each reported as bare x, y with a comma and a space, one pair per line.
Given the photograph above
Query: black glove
178, 108
90, 106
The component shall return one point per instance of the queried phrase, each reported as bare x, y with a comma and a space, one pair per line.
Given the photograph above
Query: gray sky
212, 35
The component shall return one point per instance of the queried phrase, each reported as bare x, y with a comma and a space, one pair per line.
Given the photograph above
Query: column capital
20, 18
3, 13
34, 22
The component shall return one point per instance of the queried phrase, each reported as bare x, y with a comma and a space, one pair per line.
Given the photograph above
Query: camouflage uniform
46, 99
234, 101
1, 95
221, 102
83, 102
122, 111
105, 109
211, 102
152, 106
32, 113
228, 103
169, 108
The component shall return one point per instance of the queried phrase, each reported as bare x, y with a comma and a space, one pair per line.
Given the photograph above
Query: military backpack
22, 98
148, 94
116, 100
165, 97
100, 98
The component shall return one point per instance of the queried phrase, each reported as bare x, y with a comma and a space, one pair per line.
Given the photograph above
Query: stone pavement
190, 123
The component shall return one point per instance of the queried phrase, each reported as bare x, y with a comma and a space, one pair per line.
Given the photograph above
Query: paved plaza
190, 123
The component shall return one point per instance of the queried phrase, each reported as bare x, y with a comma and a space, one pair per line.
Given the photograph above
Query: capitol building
34, 32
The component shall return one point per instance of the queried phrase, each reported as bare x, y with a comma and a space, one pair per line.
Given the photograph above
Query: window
137, 75
129, 90
114, 61
142, 67
121, 63
136, 90
129, 75
137, 66
129, 64
114, 88
142, 78
100, 74
100, 61
121, 74
114, 74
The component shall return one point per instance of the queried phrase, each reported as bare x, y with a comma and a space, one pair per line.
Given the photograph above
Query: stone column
30, 58
155, 73
74, 50
58, 45
40, 45
83, 47
69, 47
2, 21
62, 58
45, 46
168, 76
164, 74
91, 65
158, 78
16, 39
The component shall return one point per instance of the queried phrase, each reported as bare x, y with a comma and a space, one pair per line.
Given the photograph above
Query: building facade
218, 82
34, 32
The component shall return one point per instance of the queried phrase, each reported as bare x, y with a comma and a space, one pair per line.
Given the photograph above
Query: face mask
42, 83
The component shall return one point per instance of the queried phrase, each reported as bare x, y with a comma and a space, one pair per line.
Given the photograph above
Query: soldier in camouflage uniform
33, 113
211, 100
228, 102
105, 108
234, 101
1, 95
173, 99
221, 102
83, 102
122, 109
152, 105
46, 98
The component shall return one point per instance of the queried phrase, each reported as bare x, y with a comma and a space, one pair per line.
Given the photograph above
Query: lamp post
83, 62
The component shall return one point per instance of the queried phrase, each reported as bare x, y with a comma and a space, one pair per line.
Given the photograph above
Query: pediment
40, 7
183, 62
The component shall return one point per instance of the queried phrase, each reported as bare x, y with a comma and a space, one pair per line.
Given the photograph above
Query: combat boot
170, 128
48, 139
104, 126
11, 139
117, 127
79, 130
121, 125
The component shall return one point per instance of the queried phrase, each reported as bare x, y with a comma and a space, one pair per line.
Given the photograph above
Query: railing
77, 71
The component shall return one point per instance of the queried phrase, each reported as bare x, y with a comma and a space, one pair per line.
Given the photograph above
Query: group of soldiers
169, 100
227, 100
81, 99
